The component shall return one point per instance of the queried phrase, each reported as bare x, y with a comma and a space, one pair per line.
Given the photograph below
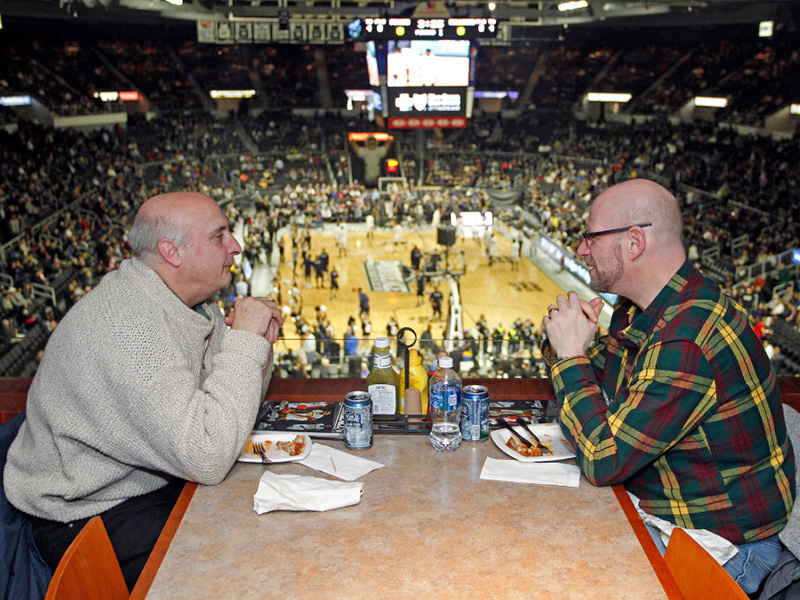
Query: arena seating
63, 192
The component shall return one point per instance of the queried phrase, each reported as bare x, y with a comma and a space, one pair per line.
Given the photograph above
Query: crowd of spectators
66, 201
67, 196
663, 70
289, 76
696, 73
22, 72
635, 69
66, 258
567, 73
219, 67
558, 194
345, 71
156, 71
767, 81
506, 68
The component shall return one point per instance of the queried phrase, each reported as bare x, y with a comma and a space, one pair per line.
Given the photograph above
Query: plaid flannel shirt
680, 403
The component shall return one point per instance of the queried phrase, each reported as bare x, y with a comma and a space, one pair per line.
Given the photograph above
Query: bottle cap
381, 342
413, 402
414, 358
446, 362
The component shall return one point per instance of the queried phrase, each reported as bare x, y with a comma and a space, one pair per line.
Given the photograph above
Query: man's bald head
166, 216
645, 250
184, 237
644, 201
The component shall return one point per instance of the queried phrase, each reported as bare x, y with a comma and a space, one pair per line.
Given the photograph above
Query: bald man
143, 386
679, 401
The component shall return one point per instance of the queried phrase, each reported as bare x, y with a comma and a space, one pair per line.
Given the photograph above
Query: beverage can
475, 413
358, 420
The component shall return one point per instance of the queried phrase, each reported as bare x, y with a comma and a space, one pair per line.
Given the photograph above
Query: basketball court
376, 264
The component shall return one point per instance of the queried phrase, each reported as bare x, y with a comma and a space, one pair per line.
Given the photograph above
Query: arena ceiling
521, 13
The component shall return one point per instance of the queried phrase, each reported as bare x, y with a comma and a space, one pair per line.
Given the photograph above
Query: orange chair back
698, 575
89, 569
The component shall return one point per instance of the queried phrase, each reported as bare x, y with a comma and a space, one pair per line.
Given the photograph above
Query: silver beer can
475, 413
358, 420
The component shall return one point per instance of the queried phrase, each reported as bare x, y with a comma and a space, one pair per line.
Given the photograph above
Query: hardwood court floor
497, 292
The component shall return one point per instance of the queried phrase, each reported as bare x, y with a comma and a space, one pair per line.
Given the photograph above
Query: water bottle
445, 406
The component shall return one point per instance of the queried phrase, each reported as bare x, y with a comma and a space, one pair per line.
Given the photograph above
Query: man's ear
637, 242
170, 252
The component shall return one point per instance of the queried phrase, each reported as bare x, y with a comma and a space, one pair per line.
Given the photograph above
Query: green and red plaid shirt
680, 403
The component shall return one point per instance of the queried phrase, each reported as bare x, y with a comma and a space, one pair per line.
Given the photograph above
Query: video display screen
372, 65
427, 63
425, 101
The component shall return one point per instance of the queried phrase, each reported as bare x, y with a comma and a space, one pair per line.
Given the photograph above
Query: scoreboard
422, 70
421, 83
402, 28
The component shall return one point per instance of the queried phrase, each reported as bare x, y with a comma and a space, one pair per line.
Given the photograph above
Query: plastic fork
539, 444
514, 432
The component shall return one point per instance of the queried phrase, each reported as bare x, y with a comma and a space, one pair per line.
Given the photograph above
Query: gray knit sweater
134, 386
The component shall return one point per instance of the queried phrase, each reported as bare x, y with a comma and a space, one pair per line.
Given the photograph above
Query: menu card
532, 410
317, 419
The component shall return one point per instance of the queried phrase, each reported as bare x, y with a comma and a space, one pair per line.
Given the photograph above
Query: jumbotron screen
430, 79
427, 63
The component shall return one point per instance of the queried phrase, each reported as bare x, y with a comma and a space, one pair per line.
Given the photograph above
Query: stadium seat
698, 575
89, 569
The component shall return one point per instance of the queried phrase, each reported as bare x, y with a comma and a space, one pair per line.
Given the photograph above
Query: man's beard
604, 281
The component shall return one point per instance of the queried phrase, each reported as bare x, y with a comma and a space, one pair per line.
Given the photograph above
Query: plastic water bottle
445, 406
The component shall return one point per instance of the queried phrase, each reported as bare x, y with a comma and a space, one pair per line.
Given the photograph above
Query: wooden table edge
648, 545
163, 543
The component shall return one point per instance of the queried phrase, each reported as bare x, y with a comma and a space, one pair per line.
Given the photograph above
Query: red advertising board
457, 122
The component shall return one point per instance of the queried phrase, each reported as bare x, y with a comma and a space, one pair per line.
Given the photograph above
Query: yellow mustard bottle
417, 378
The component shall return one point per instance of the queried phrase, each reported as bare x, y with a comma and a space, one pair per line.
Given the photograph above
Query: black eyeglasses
588, 237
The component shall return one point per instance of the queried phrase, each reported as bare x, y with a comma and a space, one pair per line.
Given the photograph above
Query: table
426, 526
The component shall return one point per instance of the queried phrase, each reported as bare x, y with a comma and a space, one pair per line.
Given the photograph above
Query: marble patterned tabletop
426, 526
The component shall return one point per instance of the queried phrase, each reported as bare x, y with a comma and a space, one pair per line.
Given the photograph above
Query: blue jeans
754, 561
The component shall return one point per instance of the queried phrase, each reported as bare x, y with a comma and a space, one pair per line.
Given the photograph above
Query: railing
44, 291
746, 274
41, 224
511, 356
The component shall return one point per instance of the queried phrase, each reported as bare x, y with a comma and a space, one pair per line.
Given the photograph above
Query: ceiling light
608, 97
573, 5
710, 101
232, 93
175, 2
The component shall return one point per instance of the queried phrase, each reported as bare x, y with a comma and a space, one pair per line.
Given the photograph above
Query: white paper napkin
543, 473
297, 492
337, 463
718, 547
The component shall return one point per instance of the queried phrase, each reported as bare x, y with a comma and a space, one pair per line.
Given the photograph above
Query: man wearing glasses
679, 401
